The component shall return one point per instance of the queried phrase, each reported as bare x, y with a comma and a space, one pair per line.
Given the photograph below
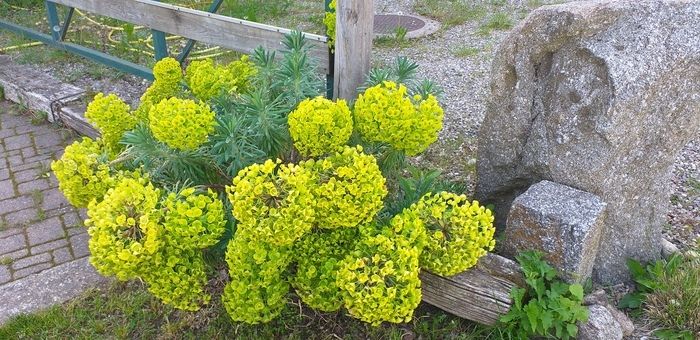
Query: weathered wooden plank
235, 34
480, 294
353, 46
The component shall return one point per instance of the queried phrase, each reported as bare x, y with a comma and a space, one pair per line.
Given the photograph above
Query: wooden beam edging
235, 34
480, 294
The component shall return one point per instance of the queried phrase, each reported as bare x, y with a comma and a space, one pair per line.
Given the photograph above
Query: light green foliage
379, 279
459, 232
349, 188
548, 307
386, 113
319, 126
82, 172
178, 277
273, 202
193, 221
112, 118
257, 290
168, 76
124, 228
329, 20
206, 80
318, 256
181, 123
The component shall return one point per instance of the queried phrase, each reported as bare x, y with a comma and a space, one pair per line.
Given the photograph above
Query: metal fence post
54, 24
160, 45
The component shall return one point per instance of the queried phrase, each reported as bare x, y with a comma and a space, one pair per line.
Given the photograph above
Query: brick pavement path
43, 244
38, 228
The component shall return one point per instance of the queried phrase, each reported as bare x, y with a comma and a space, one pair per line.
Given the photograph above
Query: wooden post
353, 45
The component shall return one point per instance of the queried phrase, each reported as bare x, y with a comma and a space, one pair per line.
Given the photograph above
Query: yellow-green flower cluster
386, 113
349, 188
379, 279
318, 256
168, 76
273, 202
459, 232
319, 126
206, 80
181, 123
178, 277
83, 173
112, 118
124, 228
329, 21
193, 221
258, 288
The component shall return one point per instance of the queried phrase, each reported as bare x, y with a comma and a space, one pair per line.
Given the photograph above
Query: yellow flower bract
181, 123
82, 172
319, 126
207, 80
386, 113
112, 118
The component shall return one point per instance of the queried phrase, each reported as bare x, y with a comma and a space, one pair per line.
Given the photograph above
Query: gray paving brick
31, 186
79, 244
3, 162
14, 120
53, 199
4, 174
48, 141
16, 203
44, 158
62, 255
71, 219
45, 231
15, 161
30, 261
18, 274
7, 189
25, 176
75, 231
22, 217
18, 142
28, 152
60, 211
5, 274
42, 248
15, 255
12, 243
9, 231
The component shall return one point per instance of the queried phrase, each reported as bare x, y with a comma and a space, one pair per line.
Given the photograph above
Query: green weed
450, 12
497, 21
465, 52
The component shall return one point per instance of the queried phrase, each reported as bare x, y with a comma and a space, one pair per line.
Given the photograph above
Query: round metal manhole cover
388, 23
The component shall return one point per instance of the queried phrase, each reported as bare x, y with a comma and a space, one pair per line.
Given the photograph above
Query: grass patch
450, 12
127, 310
675, 305
465, 52
5, 261
496, 22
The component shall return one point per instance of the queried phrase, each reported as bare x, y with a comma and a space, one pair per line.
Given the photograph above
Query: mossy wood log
480, 294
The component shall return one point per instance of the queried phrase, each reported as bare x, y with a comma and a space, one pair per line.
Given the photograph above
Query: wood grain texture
353, 46
480, 294
235, 34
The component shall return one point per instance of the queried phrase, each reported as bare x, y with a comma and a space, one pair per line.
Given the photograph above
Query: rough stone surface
601, 325
625, 323
600, 96
562, 222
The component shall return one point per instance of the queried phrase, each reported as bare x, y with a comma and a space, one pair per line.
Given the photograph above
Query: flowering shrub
319, 126
181, 123
273, 202
112, 118
207, 80
257, 291
178, 277
168, 76
458, 232
319, 224
386, 113
318, 256
329, 21
193, 221
379, 279
82, 172
349, 188
124, 229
